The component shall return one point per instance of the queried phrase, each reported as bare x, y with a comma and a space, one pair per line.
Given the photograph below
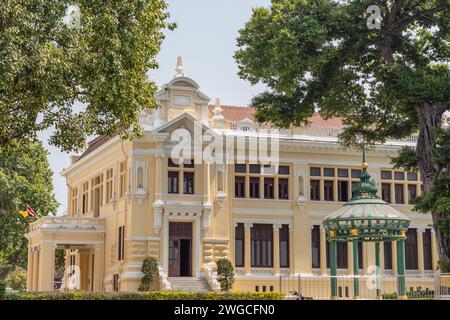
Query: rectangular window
328, 191
399, 175
116, 282
239, 245
343, 173
283, 170
386, 192
262, 245
315, 246
255, 168
427, 256
284, 246
328, 172
387, 255
315, 190
239, 187
411, 250
254, 187
412, 192
315, 172
172, 182
188, 182
356, 174
399, 196
172, 163
122, 179
412, 176
121, 244
342, 190
283, 188
240, 168
109, 185
360, 255
386, 175
268, 188
85, 203
342, 255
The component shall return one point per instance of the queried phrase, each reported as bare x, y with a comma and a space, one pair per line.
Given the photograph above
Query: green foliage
225, 274
99, 62
169, 295
444, 266
2, 289
320, 56
406, 159
25, 177
17, 279
150, 271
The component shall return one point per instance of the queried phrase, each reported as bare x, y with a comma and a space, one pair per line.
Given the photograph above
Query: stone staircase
194, 284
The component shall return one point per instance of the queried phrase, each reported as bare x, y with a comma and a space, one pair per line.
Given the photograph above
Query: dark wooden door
180, 249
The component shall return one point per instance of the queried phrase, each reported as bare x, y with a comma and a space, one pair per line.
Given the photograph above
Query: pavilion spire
365, 189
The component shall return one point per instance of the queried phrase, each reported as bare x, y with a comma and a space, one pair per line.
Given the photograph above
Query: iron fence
422, 286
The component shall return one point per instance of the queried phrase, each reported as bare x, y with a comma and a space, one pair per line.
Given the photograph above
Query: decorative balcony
69, 224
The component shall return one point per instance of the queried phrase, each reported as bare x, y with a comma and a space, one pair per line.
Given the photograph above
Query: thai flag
29, 210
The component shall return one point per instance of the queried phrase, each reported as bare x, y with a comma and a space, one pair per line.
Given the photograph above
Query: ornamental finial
179, 69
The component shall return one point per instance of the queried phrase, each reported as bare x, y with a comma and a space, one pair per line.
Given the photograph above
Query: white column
46, 266
247, 261
434, 250
323, 251
291, 249
30, 268
98, 271
420, 259
276, 248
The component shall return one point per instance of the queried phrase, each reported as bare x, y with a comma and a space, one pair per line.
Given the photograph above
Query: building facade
133, 199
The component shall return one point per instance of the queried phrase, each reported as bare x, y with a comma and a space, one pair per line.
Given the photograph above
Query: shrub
150, 271
17, 279
444, 266
225, 274
2, 289
167, 295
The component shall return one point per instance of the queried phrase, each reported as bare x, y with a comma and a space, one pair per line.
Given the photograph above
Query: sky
206, 39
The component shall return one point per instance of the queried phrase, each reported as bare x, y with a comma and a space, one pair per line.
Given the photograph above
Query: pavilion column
46, 266
333, 266
98, 268
401, 266
420, 259
276, 249
394, 257
350, 257
434, 250
377, 270
247, 248
323, 251
355, 268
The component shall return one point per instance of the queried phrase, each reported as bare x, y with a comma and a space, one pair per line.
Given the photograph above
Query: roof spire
365, 189
179, 69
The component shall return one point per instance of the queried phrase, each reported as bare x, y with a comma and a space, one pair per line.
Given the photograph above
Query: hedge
156, 295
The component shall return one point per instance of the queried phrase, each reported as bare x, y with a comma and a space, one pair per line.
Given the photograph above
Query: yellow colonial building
259, 203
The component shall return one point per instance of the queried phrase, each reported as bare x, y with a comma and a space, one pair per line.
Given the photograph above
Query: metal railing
424, 286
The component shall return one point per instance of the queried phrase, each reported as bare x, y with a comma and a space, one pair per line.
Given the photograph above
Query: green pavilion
366, 218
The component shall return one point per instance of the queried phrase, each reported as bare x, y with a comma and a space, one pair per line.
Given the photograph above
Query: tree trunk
429, 119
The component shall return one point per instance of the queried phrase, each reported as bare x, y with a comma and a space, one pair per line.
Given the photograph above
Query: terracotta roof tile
238, 113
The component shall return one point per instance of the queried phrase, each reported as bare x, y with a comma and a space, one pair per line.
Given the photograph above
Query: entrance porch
83, 242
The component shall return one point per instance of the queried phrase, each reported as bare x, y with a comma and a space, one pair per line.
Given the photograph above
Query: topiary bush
150, 271
225, 274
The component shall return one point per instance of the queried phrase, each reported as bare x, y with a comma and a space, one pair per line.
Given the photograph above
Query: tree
17, 279
225, 274
99, 60
150, 271
385, 82
25, 177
